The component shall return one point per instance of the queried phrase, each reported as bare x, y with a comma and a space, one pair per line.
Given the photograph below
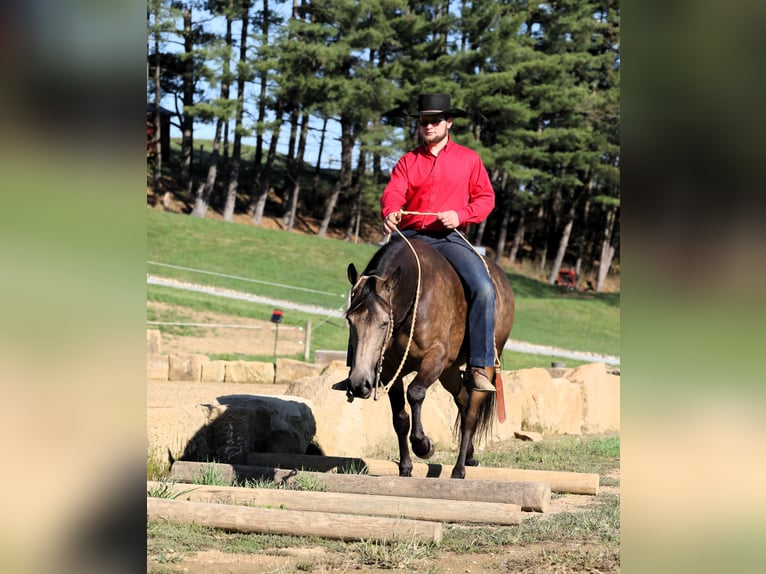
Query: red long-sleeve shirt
454, 180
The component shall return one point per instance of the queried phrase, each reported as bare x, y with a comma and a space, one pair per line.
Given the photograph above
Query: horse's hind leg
401, 421
469, 419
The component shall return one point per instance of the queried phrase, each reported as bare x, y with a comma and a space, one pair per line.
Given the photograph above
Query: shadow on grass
527, 287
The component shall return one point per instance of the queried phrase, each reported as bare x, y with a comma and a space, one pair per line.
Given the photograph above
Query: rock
600, 397
183, 367
153, 342
213, 372
528, 435
239, 424
289, 370
568, 407
546, 406
157, 367
327, 357
249, 372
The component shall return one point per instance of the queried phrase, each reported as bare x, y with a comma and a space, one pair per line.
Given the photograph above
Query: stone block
568, 407
213, 372
600, 397
289, 370
153, 342
239, 424
186, 367
536, 393
175, 429
157, 367
249, 372
322, 357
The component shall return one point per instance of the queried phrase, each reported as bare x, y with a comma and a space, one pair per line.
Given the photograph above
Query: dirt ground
234, 335
518, 559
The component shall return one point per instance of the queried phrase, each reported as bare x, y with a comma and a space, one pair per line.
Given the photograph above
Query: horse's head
370, 321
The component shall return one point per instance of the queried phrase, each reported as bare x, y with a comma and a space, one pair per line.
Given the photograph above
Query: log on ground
531, 496
559, 481
368, 504
294, 522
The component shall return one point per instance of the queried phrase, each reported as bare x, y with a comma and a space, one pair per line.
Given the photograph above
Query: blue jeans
480, 292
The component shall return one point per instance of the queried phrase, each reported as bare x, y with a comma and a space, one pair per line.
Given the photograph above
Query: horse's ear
352, 274
393, 279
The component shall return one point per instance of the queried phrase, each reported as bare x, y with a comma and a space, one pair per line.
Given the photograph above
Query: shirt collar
424, 149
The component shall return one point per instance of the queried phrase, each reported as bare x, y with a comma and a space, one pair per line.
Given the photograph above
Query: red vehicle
567, 279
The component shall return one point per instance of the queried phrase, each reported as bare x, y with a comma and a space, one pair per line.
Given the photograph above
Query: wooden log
295, 522
531, 496
559, 481
369, 504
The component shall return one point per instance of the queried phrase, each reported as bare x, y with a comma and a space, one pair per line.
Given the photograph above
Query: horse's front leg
422, 445
401, 421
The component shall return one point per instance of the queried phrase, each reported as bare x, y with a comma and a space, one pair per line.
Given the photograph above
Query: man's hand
449, 219
391, 221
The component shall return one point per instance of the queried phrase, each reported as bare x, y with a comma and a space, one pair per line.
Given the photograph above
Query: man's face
434, 128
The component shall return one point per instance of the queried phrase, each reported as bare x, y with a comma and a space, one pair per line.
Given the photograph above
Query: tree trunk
315, 180
157, 174
231, 192
205, 191
345, 173
503, 231
225, 93
187, 121
352, 231
563, 244
290, 171
263, 191
295, 194
258, 155
518, 237
607, 250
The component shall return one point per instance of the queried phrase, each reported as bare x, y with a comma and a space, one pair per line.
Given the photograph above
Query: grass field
312, 270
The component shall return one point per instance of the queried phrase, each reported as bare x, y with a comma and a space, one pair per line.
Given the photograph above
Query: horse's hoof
458, 473
429, 452
472, 462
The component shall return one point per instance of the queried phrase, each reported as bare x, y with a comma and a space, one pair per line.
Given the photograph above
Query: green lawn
267, 262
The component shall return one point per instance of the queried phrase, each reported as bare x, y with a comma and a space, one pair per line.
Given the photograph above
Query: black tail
486, 418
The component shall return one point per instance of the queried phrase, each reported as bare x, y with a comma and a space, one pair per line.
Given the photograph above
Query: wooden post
295, 522
307, 342
559, 481
531, 496
368, 504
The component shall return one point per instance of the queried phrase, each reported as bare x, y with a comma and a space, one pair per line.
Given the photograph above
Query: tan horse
380, 313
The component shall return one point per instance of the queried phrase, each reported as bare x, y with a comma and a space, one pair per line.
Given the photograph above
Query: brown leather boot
482, 378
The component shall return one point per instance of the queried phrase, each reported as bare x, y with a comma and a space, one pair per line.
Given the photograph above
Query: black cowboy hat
430, 104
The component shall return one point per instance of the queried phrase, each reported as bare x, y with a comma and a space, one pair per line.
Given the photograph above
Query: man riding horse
435, 190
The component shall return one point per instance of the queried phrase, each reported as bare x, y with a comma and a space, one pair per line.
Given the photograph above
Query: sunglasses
431, 121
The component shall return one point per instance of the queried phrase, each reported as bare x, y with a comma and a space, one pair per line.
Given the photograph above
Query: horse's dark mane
383, 263
389, 257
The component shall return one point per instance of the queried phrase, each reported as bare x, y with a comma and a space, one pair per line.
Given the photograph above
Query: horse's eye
384, 324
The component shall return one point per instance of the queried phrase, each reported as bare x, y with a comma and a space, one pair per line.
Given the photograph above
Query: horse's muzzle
361, 391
